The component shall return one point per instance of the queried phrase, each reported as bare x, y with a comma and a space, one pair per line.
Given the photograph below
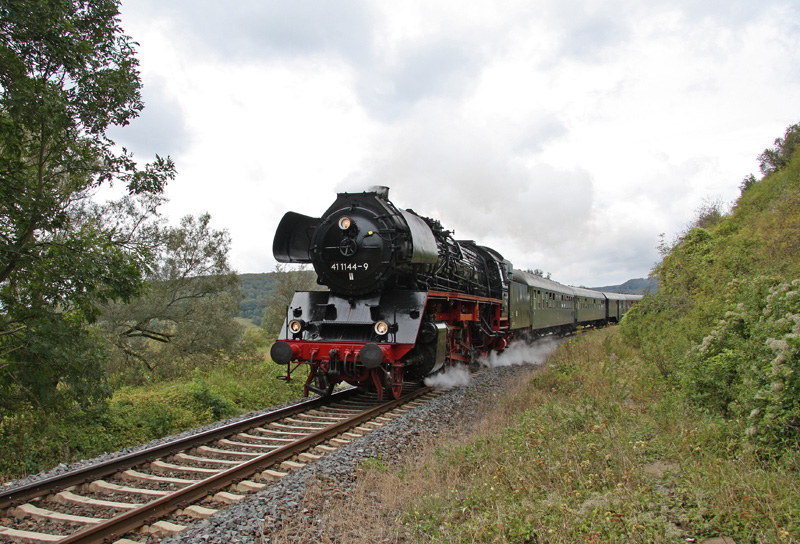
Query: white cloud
567, 135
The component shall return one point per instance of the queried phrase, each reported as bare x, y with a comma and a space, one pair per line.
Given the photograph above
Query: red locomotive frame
458, 311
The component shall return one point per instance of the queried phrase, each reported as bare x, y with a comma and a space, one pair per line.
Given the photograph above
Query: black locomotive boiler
405, 298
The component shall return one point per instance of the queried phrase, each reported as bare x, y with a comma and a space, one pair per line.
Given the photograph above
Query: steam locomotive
405, 299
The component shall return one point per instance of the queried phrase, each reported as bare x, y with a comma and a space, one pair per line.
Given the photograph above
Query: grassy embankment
35, 440
597, 447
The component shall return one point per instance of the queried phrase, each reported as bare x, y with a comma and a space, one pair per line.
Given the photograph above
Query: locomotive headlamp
381, 328
345, 222
295, 326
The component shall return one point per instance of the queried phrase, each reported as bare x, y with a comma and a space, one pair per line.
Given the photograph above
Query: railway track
150, 494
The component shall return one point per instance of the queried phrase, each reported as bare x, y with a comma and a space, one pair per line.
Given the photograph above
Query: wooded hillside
255, 289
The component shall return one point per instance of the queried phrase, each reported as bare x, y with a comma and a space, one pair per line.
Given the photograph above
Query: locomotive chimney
381, 190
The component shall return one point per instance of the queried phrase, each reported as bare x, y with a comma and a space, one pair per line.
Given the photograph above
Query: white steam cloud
520, 353
452, 377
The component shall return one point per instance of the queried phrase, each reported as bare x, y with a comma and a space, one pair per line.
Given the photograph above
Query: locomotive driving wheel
395, 387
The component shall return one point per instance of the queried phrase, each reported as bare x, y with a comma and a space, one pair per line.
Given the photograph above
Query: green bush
749, 365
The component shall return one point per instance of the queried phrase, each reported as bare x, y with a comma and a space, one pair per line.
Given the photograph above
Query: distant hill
254, 289
637, 286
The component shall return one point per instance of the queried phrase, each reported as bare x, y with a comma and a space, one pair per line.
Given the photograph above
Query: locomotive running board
449, 295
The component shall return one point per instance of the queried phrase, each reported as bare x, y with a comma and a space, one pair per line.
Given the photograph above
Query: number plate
349, 267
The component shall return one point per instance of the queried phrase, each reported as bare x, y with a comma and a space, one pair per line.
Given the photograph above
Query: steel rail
117, 526
79, 476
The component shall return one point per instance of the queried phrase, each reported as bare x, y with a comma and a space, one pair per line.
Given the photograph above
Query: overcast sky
567, 134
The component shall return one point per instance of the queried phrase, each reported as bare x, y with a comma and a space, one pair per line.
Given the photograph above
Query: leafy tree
186, 312
747, 182
709, 214
773, 159
284, 285
67, 73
